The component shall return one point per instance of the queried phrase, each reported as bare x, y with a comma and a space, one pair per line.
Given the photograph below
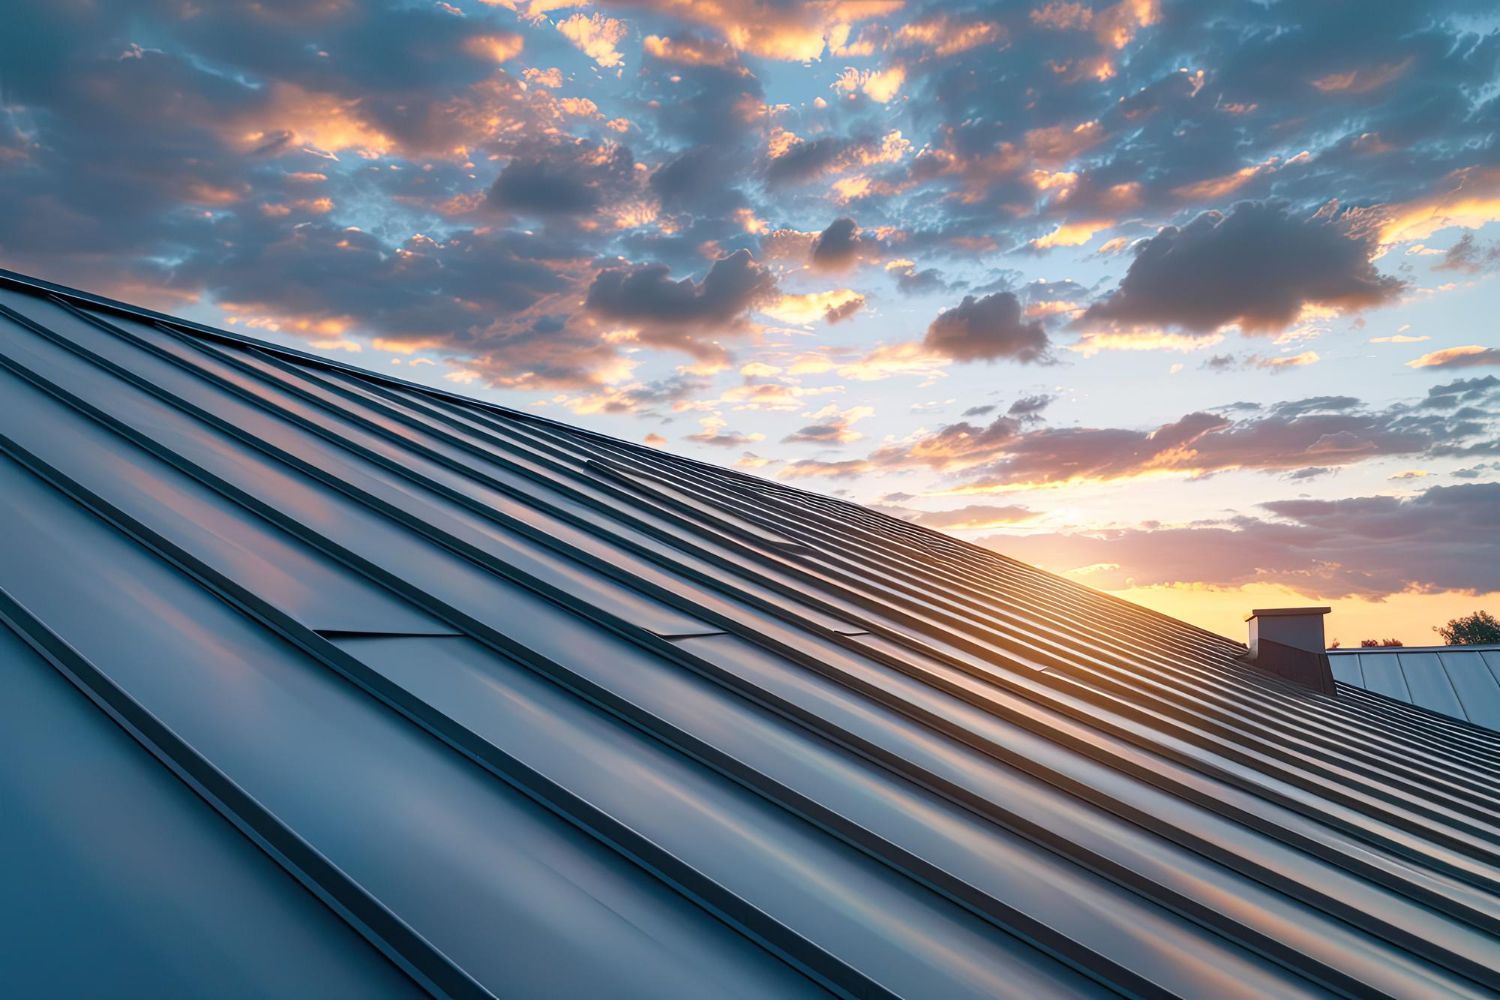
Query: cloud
1018, 450
911, 281
574, 179
987, 329
1061, 15
759, 394
908, 358
1029, 407
880, 86
1468, 356
716, 434
1369, 547
1094, 341
596, 36
501, 47
795, 161
394, 174
551, 77
809, 468
836, 248
690, 51
640, 397
485, 295
1468, 256
831, 426
750, 460
1286, 362
1056, 145
294, 118
1362, 80
1051, 456
1216, 188
945, 36
806, 160
1257, 267
717, 107
796, 32
698, 179
832, 306
1071, 234
680, 314
1468, 198
1451, 395
976, 517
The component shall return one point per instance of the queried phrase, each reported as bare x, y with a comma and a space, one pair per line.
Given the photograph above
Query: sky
1194, 303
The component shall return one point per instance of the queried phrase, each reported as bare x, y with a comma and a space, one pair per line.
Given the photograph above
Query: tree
1367, 643
1477, 629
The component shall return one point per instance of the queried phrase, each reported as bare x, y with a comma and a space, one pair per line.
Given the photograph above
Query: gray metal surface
1461, 682
478, 703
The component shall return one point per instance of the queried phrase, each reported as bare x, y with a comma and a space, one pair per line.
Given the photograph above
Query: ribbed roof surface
535, 712
1461, 682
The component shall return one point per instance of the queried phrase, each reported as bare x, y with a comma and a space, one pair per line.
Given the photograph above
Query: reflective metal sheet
1009, 785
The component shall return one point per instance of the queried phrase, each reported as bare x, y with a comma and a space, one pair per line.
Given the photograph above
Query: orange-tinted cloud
1468, 198
690, 51
1058, 144
1288, 361
294, 119
1369, 546
1362, 81
833, 305
975, 517
1094, 341
596, 36
946, 36
831, 426
1215, 188
1468, 356
500, 48
795, 32
714, 431
906, 359
880, 86
851, 468
1016, 450
1114, 26
1071, 234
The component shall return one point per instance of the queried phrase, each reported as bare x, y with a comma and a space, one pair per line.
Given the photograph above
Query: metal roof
1461, 682
317, 682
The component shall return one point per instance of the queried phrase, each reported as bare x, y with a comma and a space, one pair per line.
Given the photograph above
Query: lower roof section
1461, 682
337, 684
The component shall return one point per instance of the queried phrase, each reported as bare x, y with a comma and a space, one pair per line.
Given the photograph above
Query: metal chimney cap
1289, 642
1279, 612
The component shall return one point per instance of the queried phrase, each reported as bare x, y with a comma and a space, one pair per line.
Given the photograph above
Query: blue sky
1193, 302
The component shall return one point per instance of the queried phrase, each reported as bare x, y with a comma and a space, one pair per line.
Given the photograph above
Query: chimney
1288, 642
